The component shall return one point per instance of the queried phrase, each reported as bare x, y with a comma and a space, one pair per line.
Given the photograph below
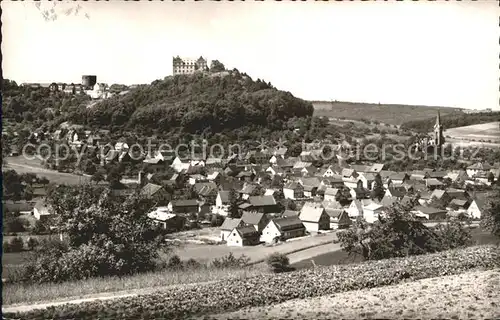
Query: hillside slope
485, 131
471, 295
198, 103
386, 113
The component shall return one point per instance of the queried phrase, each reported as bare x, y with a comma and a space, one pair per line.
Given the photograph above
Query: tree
491, 177
13, 225
378, 191
98, 176
400, 234
106, 236
16, 244
31, 243
278, 262
217, 66
491, 216
234, 211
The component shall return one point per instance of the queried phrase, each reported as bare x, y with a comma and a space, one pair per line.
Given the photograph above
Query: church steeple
438, 132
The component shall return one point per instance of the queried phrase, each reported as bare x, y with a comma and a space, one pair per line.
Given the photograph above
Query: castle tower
438, 132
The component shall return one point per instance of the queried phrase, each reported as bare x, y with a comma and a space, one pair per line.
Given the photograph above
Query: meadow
386, 113
485, 132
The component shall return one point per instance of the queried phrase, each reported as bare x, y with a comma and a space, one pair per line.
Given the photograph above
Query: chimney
140, 178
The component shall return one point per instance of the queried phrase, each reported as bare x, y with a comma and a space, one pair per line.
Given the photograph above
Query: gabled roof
396, 191
334, 213
438, 194
313, 182
331, 191
229, 224
246, 231
288, 223
253, 218
346, 172
184, 203
377, 167
429, 210
388, 201
260, 201
248, 188
224, 196
204, 187
480, 166
330, 204
290, 213
438, 174
150, 189
433, 182
311, 212
373, 206
292, 185
302, 164
458, 202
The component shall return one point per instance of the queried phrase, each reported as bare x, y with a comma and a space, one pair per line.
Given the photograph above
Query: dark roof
259, 201
150, 189
230, 223
247, 231
224, 196
290, 213
429, 210
288, 223
184, 203
252, 217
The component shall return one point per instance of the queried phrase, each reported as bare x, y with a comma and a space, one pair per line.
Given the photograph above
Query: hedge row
228, 295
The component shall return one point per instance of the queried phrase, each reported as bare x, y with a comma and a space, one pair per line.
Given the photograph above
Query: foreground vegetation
15, 293
227, 295
479, 293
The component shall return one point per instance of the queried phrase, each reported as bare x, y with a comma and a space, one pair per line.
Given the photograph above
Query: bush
174, 262
278, 262
193, 264
32, 243
16, 244
204, 298
230, 261
6, 247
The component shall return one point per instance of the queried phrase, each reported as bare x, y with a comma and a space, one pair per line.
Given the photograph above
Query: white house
475, 209
293, 190
283, 228
227, 226
41, 211
331, 194
329, 172
372, 211
243, 236
179, 165
355, 209
314, 217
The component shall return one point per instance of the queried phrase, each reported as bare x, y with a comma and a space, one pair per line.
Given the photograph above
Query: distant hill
452, 121
386, 113
199, 103
478, 132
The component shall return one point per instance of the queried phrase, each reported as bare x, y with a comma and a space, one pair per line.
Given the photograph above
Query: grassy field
23, 165
391, 114
137, 284
471, 295
334, 257
478, 132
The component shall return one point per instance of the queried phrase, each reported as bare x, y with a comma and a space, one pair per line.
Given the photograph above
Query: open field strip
471, 295
181, 302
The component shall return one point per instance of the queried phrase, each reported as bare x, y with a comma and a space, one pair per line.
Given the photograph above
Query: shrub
278, 262
204, 298
230, 261
32, 243
174, 262
192, 264
16, 244
6, 247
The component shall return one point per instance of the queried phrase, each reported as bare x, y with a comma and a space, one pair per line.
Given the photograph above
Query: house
359, 168
458, 177
290, 213
155, 192
332, 194
227, 226
395, 192
41, 211
184, 206
256, 219
222, 199
284, 228
265, 204
430, 213
457, 205
206, 191
359, 193
376, 168
179, 164
458, 194
121, 146
168, 220
478, 168
243, 236
329, 172
433, 183
314, 217
166, 156
249, 190
355, 209
339, 218
372, 211
418, 175
275, 171
396, 178
310, 191
475, 209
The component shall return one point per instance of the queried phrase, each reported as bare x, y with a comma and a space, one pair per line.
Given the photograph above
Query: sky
424, 53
